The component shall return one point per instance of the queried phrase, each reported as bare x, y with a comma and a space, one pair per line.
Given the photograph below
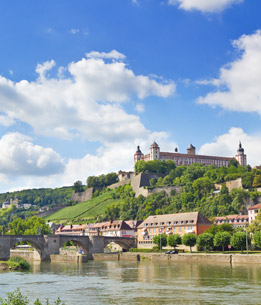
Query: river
142, 282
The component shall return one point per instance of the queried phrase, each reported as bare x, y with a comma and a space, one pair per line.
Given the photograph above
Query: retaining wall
183, 257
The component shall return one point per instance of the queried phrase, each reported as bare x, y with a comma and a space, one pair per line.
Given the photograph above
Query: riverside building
190, 157
180, 223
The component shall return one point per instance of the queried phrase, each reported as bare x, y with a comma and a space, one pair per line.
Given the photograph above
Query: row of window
168, 223
168, 230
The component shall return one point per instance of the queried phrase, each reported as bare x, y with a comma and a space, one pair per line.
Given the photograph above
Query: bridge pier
48, 245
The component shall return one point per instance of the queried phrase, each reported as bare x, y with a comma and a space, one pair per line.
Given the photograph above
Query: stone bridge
47, 245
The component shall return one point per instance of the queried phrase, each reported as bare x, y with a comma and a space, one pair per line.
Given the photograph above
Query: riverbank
181, 257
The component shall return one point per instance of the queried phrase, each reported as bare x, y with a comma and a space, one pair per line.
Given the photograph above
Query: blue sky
82, 83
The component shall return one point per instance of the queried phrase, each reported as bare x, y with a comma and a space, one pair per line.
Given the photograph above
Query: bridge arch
37, 242
80, 242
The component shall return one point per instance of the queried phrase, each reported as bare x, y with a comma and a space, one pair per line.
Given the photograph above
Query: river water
142, 282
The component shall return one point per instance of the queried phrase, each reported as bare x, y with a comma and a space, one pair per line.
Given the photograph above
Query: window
179, 229
154, 231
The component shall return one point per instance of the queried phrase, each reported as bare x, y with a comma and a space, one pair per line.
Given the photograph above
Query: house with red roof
253, 211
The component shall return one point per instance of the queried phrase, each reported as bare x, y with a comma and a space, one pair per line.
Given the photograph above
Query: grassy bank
15, 263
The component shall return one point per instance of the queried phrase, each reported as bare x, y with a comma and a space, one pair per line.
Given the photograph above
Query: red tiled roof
231, 217
254, 207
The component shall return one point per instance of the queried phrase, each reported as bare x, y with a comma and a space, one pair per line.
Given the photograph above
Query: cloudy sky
82, 83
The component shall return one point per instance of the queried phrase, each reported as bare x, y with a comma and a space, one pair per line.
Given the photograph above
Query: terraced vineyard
86, 211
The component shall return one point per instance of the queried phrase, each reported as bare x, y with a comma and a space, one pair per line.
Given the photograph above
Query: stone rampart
85, 195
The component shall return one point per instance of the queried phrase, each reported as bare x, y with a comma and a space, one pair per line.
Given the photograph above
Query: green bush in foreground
16, 298
18, 262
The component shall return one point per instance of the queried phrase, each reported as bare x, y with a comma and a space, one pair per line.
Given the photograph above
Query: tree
160, 240
189, 240
257, 239
29, 226
77, 186
238, 241
222, 239
174, 240
255, 226
205, 241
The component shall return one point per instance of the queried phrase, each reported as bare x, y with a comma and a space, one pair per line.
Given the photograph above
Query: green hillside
87, 211
197, 184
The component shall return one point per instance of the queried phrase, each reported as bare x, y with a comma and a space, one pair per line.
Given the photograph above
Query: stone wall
234, 184
28, 255
121, 183
84, 196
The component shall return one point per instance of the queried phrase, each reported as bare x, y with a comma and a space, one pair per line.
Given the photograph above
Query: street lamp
246, 239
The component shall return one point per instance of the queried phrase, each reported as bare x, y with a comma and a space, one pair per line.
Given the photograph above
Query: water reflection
138, 283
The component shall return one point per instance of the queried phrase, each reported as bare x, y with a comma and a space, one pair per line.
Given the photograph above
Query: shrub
18, 262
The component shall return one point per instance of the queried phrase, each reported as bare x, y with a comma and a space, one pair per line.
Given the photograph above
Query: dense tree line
37, 198
215, 238
42, 196
102, 180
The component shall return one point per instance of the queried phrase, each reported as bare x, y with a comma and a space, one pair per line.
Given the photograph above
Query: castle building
190, 157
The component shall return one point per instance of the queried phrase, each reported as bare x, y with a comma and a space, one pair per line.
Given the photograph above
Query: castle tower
138, 155
191, 150
241, 157
154, 151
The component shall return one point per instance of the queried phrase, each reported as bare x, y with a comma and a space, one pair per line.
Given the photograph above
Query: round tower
191, 150
241, 157
138, 155
154, 151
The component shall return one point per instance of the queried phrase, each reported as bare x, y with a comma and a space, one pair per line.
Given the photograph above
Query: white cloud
136, 2
87, 104
227, 144
140, 108
205, 6
19, 156
74, 31
6, 121
110, 157
239, 81
112, 54
41, 69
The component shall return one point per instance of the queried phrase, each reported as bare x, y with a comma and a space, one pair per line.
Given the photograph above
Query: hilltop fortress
190, 157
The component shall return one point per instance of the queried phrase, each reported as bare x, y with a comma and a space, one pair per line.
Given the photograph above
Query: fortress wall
166, 189
115, 185
84, 196
234, 184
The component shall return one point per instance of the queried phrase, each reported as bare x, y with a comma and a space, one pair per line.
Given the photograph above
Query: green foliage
155, 166
16, 262
255, 226
257, 239
29, 226
78, 187
196, 194
16, 298
224, 227
36, 197
238, 241
160, 240
205, 241
173, 240
222, 239
189, 240
102, 180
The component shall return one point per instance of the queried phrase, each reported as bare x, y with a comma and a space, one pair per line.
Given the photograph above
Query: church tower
241, 157
154, 151
138, 155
